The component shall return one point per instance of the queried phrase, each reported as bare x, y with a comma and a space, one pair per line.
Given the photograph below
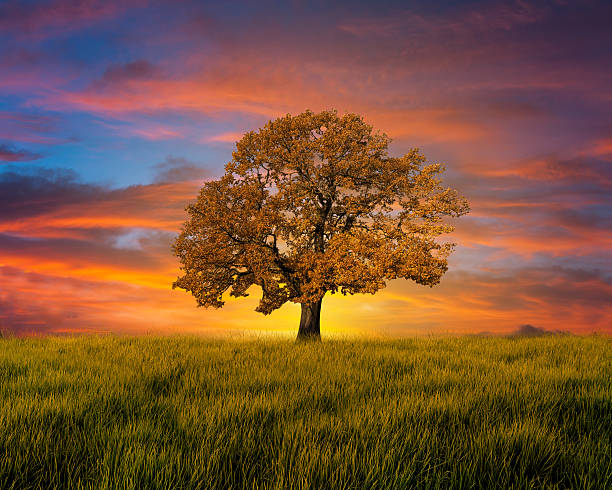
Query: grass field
113, 412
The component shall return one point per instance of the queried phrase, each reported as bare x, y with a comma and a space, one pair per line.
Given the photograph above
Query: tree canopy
311, 204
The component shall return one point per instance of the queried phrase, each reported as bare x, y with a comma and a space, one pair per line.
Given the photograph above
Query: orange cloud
267, 98
602, 147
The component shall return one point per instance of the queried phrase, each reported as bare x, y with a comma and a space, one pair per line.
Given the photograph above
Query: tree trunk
310, 322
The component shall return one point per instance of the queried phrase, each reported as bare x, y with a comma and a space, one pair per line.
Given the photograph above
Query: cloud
227, 137
10, 154
175, 169
156, 133
54, 205
30, 128
544, 204
121, 73
553, 297
42, 192
553, 169
468, 20
36, 19
266, 93
86, 257
34, 303
602, 147
433, 81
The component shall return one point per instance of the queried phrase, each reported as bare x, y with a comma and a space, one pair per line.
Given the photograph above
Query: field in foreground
111, 412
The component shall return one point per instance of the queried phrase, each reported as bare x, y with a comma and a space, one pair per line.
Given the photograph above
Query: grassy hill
112, 412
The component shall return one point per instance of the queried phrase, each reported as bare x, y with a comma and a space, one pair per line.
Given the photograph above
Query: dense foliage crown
311, 204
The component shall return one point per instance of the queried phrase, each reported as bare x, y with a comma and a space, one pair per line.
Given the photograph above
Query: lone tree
312, 204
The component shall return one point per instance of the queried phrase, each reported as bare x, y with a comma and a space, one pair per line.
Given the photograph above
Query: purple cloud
12, 155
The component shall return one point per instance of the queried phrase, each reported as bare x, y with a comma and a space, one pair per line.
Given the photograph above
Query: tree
311, 204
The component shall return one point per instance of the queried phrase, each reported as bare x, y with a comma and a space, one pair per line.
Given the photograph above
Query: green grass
112, 412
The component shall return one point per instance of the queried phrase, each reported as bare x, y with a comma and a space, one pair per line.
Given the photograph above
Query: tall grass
112, 412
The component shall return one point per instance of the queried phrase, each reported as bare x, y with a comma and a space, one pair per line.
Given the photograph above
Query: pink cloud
227, 137
156, 133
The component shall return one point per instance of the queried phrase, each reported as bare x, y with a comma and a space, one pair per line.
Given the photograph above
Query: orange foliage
312, 204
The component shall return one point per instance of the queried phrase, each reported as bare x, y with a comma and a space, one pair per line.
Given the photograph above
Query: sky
113, 114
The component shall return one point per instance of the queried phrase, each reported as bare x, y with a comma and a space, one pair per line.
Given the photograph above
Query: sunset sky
112, 114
